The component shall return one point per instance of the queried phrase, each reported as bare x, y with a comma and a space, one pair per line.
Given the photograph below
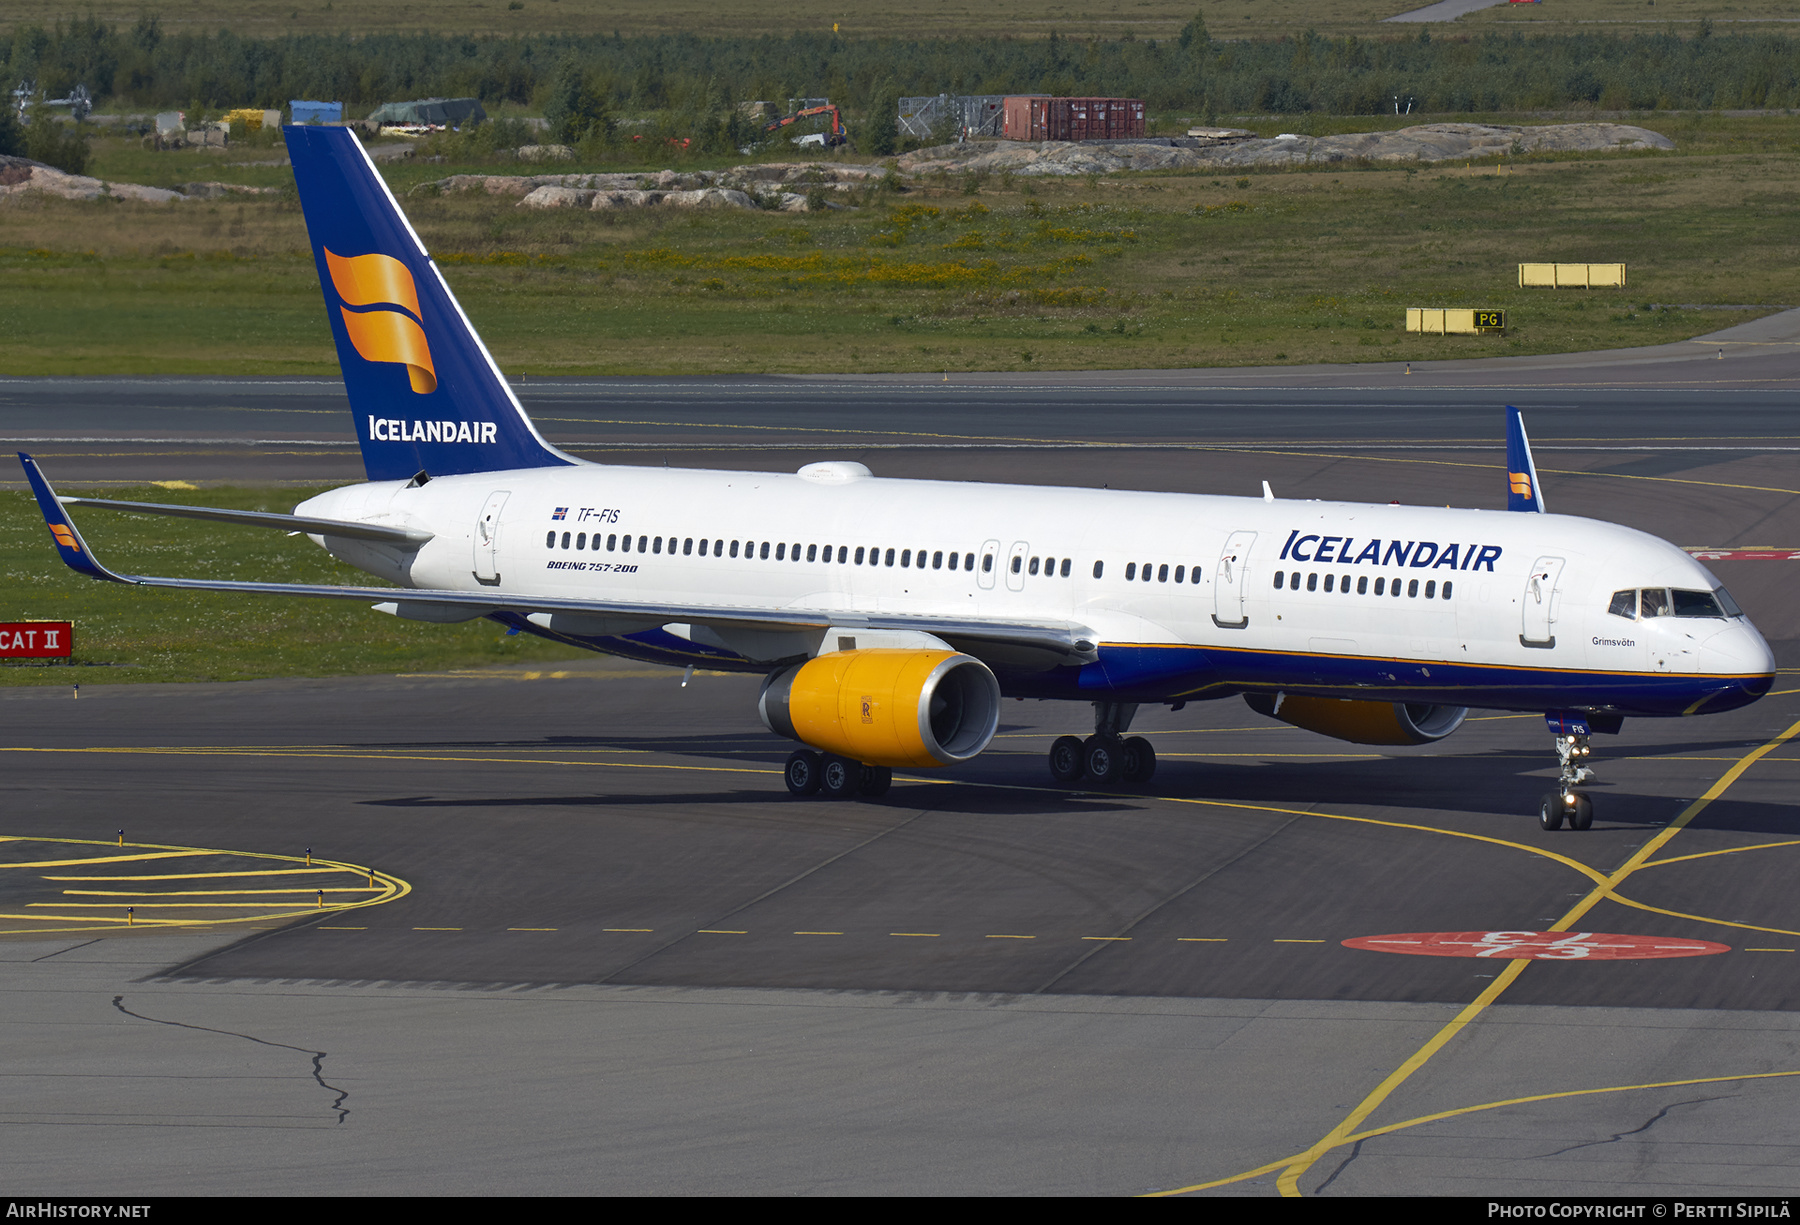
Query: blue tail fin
1522, 491
425, 393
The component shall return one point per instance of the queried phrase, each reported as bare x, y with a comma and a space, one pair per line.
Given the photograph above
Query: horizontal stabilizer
407, 536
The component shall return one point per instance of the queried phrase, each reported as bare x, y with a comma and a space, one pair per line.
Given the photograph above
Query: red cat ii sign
36, 639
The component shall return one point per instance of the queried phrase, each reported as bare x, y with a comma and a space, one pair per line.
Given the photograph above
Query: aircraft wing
1074, 642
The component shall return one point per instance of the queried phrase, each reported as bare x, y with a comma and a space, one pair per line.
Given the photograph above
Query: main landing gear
1108, 756
1566, 803
834, 777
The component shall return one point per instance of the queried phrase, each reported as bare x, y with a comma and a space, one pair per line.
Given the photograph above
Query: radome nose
1737, 649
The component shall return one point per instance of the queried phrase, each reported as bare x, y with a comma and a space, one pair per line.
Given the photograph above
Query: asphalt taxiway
561, 930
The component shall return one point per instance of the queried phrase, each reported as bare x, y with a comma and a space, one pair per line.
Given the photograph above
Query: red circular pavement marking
1537, 946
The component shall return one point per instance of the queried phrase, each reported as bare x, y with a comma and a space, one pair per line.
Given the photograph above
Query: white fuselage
1521, 595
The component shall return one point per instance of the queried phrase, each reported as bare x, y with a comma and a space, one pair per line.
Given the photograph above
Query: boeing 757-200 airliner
890, 617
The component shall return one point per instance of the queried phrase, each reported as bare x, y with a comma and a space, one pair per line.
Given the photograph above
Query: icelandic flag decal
561, 512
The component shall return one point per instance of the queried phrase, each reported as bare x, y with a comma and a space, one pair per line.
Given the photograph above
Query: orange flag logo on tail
1521, 483
383, 335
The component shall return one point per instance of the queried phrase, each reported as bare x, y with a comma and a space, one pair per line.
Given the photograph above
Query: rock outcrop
1432, 142
768, 185
19, 175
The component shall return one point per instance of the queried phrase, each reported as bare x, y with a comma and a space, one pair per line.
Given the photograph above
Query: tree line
698, 80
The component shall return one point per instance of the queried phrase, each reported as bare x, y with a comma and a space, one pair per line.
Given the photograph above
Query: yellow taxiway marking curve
145, 907
1292, 1168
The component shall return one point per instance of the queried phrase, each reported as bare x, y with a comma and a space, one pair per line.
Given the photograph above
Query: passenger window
1431, 590
611, 541
565, 540
1162, 573
1031, 569
1379, 584
550, 541
641, 542
1312, 582
1049, 567
859, 555
1065, 567
987, 564
780, 552
764, 554
1099, 568
687, 546
1294, 580
968, 561
1147, 571
1344, 584
1280, 579
1181, 574
890, 557
1130, 571
1362, 585
1329, 578
718, 548
1447, 591
1412, 589
937, 560
580, 541
656, 545
1655, 602
905, 558
734, 548
796, 552
812, 552
1017, 562
1194, 575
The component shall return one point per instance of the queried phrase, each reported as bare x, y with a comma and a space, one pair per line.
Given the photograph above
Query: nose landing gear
1566, 803
1108, 756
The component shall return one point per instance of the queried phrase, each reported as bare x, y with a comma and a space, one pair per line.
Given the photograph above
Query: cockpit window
1696, 604
1662, 602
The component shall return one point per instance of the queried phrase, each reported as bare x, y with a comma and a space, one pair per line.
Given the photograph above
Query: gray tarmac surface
627, 963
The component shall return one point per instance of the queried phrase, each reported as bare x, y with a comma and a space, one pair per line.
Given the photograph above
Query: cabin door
1538, 604
1230, 579
487, 539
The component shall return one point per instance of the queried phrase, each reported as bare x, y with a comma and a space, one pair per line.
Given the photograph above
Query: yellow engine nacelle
886, 707
1361, 722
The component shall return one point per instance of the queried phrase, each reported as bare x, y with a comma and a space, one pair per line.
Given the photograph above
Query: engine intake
886, 707
1361, 722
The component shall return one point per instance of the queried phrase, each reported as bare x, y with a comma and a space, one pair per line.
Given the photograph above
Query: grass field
1123, 271
128, 635
1158, 19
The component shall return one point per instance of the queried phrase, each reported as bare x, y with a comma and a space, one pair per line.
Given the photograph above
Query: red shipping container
36, 639
1036, 118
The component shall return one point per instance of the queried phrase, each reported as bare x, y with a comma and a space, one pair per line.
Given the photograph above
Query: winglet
74, 550
1522, 492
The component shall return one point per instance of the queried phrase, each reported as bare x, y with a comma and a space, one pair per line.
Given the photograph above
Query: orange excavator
835, 132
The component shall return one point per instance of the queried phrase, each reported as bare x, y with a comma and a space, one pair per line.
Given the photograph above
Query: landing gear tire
1068, 760
1550, 812
840, 778
1140, 759
875, 781
1103, 758
802, 773
1581, 815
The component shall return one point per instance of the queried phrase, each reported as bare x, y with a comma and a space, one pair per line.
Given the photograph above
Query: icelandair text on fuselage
392, 429
1774, 1211
1414, 554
